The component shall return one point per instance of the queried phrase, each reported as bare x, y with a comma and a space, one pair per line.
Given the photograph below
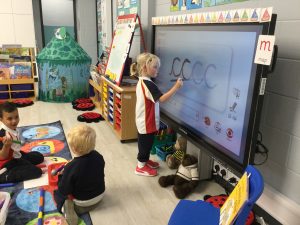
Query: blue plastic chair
199, 212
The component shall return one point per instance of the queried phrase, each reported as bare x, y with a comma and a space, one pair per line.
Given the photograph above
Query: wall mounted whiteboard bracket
262, 87
274, 59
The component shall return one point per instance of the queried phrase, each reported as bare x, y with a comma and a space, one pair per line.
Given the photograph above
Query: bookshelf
117, 106
18, 72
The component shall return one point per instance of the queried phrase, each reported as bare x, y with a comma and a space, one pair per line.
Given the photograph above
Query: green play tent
63, 69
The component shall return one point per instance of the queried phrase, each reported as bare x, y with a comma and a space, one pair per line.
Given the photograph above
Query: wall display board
120, 47
125, 7
182, 5
99, 28
103, 26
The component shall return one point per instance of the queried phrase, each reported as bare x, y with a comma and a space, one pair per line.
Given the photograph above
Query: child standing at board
15, 165
81, 185
147, 117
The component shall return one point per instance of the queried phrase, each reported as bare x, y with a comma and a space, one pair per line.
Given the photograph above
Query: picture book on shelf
4, 71
235, 201
17, 51
20, 70
4, 57
13, 54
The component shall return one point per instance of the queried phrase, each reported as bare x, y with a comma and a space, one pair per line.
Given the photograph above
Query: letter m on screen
264, 49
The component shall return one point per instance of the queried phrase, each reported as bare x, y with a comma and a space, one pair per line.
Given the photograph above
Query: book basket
164, 139
163, 150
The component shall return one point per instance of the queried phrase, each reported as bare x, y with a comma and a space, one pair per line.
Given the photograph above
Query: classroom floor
129, 199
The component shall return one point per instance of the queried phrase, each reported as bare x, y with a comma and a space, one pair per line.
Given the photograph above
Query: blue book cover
21, 71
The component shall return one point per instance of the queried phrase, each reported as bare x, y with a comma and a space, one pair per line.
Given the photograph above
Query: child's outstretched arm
172, 91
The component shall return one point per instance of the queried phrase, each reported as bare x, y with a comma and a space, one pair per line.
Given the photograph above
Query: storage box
4, 200
163, 150
17, 87
3, 87
160, 140
4, 96
53, 179
22, 94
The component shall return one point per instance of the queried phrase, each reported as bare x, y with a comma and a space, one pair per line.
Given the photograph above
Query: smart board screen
217, 66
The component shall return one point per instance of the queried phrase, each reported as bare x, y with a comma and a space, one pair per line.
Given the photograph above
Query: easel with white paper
120, 47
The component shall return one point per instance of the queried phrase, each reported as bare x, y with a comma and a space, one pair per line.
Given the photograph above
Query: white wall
86, 27
16, 22
58, 13
37, 24
280, 122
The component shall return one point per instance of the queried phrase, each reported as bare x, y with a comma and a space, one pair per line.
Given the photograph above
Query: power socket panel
224, 172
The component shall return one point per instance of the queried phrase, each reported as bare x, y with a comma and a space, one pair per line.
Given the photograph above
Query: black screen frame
268, 28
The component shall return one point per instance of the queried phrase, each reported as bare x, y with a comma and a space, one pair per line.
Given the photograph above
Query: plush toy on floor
186, 178
174, 160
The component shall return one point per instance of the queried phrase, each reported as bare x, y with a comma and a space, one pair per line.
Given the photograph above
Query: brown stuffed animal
174, 160
185, 179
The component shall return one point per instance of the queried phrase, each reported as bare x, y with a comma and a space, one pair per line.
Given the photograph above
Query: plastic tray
53, 179
4, 196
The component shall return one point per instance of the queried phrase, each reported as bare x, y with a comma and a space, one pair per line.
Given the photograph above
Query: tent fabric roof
62, 50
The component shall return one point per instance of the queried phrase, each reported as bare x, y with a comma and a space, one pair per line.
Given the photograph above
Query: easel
120, 46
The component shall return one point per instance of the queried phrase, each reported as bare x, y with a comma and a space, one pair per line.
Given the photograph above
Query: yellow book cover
18, 51
235, 201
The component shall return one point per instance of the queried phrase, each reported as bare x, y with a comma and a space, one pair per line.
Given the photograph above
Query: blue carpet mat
48, 139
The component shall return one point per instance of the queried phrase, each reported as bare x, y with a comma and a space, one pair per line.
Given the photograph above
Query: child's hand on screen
179, 83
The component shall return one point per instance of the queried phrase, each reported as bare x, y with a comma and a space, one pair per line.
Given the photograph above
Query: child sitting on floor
83, 178
15, 165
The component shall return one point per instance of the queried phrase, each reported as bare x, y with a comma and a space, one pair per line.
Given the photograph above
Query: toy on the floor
41, 206
174, 160
186, 178
82, 100
84, 106
218, 201
23, 102
90, 117
53, 170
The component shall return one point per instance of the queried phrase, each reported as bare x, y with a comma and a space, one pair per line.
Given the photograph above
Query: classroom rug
48, 139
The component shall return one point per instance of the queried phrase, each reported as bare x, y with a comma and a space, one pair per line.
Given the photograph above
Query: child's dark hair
7, 107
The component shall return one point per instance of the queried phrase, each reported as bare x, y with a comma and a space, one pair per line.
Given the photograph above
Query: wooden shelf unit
11, 89
97, 97
117, 106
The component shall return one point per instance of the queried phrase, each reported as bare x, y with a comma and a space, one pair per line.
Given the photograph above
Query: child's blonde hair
143, 59
82, 139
